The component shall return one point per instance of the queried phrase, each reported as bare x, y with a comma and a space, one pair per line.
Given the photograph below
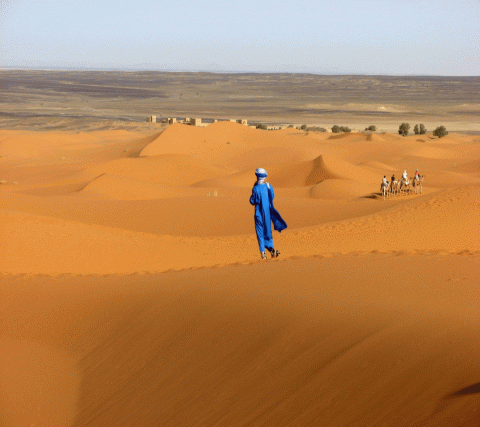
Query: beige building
152, 119
196, 122
172, 120
243, 122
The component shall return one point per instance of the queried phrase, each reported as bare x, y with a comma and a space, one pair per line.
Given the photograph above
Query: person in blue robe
265, 214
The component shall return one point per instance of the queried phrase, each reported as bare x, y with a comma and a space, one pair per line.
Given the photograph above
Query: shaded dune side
243, 347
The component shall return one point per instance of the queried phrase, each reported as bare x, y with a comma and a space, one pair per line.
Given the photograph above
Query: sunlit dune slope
441, 222
233, 145
145, 210
341, 189
119, 187
35, 145
300, 174
173, 169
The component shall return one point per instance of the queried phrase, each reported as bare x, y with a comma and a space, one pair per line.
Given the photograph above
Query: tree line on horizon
418, 129
403, 129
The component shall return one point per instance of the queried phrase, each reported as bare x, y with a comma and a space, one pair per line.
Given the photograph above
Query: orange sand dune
132, 291
247, 345
122, 188
166, 169
468, 167
216, 209
27, 144
379, 166
300, 174
440, 222
341, 189
232, 145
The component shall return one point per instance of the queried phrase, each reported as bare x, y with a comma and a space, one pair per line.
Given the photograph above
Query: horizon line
137, 70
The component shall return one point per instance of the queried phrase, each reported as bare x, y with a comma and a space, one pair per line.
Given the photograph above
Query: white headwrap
261, 175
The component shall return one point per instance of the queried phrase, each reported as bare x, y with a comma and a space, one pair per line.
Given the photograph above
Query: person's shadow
471, 389
466, 391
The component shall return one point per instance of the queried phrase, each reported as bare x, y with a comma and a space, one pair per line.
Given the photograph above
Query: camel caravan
404, 186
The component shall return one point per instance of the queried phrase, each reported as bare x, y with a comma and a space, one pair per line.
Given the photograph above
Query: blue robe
265, 214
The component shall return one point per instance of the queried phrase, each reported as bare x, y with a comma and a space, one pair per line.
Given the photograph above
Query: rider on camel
384, 183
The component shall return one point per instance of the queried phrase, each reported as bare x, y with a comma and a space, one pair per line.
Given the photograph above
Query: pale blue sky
394, 37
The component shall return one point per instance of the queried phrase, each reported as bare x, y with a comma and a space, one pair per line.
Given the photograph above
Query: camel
394, 188
405, 186
417, 184
384, 190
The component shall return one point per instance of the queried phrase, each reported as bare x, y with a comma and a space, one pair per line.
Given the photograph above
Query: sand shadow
374, 196
446, 400
471, 389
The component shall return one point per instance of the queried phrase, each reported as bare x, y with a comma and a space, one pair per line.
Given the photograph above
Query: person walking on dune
262, 198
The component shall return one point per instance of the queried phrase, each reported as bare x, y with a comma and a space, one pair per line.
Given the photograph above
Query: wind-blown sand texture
132, 291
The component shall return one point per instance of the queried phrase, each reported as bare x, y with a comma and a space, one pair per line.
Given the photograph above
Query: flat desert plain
133, 293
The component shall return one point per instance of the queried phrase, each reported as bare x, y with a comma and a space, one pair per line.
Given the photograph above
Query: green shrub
339, 129
371, 128
290, 126
403, 129
303, 127
261, 126
420, 130
440, 131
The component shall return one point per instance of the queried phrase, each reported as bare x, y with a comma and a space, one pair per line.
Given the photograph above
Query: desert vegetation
340, 129
403, 129
419, 130
440, 131
261, 126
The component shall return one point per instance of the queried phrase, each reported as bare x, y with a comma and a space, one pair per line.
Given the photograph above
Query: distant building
232, 120
172, 120
242, 122
187, 120
196, 122
151, 119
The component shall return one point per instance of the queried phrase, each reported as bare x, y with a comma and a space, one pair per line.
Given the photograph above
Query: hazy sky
395, 37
